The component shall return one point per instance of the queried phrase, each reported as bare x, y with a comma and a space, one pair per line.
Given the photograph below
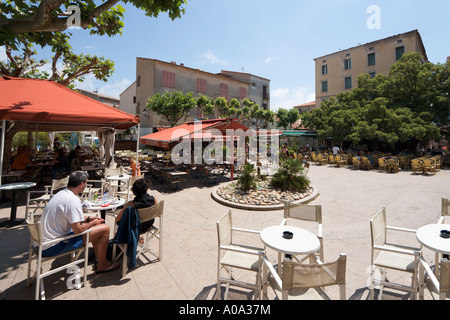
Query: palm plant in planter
247, 179
290, 177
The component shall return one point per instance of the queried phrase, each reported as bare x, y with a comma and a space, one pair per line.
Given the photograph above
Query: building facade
155, 76
338, 72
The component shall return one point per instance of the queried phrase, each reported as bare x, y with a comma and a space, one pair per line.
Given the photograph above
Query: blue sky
277, 40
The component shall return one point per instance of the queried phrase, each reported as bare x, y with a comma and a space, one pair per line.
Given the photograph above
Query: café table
112, 205
430, 237
119, 178
14, 187
93, 167
302, 241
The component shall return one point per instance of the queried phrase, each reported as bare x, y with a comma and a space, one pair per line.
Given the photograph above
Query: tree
39, 21
385, 111
172, 105
286, 118
206, 105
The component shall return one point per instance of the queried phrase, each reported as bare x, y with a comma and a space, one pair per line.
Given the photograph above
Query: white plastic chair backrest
59, 184
378, 226
445, 207
35, 229
297, 275
224, 228
146, 214
303, 212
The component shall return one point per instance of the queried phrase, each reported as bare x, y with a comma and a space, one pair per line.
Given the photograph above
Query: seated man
22, 159
63, 215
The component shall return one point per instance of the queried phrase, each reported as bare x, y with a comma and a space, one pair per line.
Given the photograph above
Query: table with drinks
102, 203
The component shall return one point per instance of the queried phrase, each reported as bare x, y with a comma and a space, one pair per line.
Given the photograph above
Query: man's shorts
64, 246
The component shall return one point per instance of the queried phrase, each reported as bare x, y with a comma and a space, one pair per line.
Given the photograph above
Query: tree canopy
407, 106
40, 21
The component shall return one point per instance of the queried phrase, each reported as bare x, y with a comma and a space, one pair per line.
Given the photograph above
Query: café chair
35, 253
388, 255
305, 213
444, 210
306, 281
155, 231
40, 202
439, 288
233, 255
124, 189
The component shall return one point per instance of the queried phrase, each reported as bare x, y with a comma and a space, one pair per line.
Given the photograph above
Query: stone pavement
349, 199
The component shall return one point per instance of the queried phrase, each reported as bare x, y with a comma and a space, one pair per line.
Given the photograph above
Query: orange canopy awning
57, 108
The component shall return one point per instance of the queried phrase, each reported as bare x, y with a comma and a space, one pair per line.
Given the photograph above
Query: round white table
303, 242
14, 187
102, 210
429, 237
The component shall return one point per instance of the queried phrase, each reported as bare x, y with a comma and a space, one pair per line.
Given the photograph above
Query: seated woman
141, 200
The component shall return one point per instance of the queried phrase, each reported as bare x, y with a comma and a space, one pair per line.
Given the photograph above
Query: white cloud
270, 59
3, 56
112, 88
210, 57
287, 98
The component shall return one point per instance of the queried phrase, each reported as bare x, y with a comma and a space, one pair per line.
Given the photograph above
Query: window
242, 93
224, 90
201, 85
399, 51
325, 69
347, 64
348, 83
324, 86
372, 75
138, 81
371, 59
168, 79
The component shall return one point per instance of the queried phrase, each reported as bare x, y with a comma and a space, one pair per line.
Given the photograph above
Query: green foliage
40, 21
172, 105
286, 118
247, 179
290, 177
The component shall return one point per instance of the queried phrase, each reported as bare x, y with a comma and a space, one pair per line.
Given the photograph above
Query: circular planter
258, 207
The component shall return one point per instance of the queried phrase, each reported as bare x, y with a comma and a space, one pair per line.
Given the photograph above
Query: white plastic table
14, 187
102, 210
119, 178
429, 237
303, 242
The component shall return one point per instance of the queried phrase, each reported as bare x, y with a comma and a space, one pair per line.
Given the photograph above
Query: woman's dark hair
140, 187
76, 178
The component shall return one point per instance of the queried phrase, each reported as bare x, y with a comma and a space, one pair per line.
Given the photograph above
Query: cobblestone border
227, 203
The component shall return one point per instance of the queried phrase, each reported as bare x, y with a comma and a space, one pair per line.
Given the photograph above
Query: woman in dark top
141, 200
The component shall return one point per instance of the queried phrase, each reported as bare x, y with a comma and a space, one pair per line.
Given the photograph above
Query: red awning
162, 139
56, 107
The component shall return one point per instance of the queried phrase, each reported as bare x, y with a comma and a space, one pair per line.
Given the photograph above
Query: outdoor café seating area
382, 162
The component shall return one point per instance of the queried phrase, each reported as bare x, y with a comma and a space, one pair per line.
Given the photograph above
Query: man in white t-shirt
63, 215
335, 150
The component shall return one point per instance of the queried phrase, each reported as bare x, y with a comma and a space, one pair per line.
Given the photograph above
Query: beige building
309, 106
155, 76
103, 98
338, 72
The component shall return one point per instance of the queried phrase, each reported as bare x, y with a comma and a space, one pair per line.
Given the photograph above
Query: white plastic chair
386, 255
308, 213
439, 288
35, 253
155, 231
233, 255
306, 281
41, 201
